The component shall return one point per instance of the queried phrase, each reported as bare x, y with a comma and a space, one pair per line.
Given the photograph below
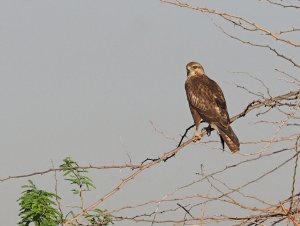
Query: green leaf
37, 206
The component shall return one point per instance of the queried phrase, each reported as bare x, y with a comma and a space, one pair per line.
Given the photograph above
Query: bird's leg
208, 130
196, 136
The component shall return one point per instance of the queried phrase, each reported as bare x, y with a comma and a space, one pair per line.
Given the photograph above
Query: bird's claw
207, 129
196, 136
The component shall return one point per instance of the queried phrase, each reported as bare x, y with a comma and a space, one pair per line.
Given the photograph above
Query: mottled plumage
207, 103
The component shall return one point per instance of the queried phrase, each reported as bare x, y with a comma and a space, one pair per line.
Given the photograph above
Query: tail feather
222, 142
230, 139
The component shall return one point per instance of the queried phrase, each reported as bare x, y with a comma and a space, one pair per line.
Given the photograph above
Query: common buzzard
207, 104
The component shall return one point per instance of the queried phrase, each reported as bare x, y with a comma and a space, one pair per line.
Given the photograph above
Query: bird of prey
207, 104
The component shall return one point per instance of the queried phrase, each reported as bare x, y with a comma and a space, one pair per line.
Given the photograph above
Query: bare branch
129, 166
282, 5
250, 107
236, 20
294, 175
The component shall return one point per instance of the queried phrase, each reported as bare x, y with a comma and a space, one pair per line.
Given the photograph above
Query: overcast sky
91, 80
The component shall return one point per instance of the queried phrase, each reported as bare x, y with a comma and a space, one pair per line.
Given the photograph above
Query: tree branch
250, 107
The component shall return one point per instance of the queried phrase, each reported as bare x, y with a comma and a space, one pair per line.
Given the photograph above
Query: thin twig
294, 175
250, 107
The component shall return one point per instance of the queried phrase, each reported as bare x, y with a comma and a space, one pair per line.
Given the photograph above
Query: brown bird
207, 103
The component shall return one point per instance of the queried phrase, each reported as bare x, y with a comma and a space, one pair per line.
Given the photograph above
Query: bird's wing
218, 94
207, 97
220, 104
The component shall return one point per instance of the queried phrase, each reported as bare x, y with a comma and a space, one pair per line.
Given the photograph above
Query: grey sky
85, 78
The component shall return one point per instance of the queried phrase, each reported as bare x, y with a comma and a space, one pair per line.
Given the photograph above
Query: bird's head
194, 68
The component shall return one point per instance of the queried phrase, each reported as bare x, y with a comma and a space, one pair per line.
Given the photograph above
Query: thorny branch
294, 175
236, 20
129, 166
245, 25
282, 5
294, 95
257, 210
139, 168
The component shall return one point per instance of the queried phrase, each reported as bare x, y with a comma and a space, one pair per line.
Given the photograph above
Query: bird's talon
196, 136
208, 130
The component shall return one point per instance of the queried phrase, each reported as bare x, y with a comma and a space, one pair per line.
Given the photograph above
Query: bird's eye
195, 66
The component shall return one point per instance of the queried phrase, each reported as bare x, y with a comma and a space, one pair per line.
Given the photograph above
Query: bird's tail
230, 139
